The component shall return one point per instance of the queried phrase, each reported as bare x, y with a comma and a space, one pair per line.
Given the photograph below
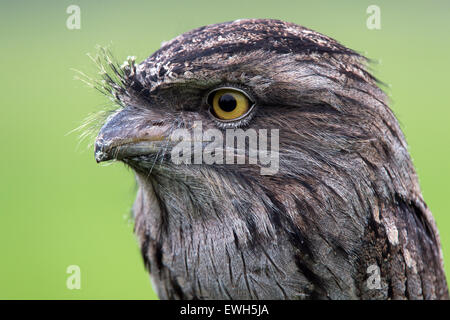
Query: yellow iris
229, 104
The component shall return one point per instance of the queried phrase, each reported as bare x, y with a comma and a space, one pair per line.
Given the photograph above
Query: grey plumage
346, 196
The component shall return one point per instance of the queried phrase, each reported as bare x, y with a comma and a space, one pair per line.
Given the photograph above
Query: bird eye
229, 104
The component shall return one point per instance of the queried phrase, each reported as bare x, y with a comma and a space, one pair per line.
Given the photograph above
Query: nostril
158, 123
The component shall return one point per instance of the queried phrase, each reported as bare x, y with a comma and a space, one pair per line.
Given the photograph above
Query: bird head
334, 131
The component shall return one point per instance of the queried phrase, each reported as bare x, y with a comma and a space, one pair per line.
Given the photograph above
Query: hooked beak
123, 137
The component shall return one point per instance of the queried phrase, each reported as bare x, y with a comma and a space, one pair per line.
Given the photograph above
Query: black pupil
227, 102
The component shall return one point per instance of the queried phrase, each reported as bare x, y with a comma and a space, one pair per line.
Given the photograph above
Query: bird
341, 217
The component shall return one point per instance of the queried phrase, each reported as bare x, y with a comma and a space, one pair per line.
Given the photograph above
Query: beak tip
98, 159
100, 154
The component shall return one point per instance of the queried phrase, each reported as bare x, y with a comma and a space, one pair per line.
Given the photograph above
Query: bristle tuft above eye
115, 79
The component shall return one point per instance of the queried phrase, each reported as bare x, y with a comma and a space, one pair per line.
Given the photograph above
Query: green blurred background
59, 208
